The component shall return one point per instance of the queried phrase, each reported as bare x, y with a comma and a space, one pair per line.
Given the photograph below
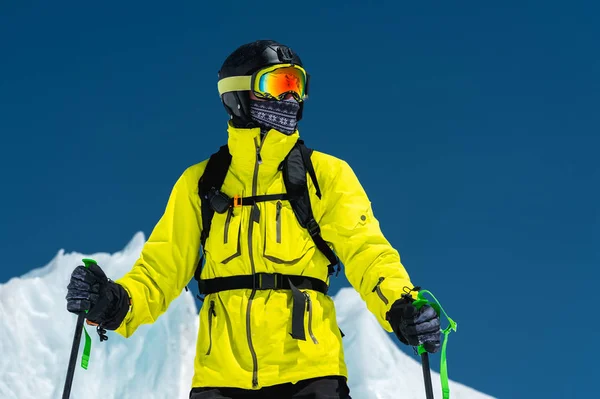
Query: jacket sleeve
168, 259
371, 264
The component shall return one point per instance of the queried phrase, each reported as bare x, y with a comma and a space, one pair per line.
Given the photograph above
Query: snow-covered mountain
36, 333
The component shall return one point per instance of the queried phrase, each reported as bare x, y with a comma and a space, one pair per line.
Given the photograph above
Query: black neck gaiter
278, 115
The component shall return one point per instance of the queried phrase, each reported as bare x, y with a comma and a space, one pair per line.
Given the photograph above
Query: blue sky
474, 129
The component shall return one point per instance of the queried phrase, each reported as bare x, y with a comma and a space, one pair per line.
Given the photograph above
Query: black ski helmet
246, 60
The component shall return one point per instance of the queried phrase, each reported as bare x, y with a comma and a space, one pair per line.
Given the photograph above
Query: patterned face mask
278, 115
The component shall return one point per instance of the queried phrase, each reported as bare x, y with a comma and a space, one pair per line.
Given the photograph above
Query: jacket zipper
378, 290
211, 314
227, 221
254, 218
278, 221
309, 304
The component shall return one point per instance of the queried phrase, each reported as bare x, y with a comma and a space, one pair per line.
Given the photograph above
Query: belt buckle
268, 281
237, 201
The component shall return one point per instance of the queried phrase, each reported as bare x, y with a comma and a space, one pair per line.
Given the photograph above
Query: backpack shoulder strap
306, 154
295, 167
213, 177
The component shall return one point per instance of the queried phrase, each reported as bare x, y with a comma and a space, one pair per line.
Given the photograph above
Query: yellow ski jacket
244, 337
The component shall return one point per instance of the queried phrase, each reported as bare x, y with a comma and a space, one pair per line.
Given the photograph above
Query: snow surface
36, 334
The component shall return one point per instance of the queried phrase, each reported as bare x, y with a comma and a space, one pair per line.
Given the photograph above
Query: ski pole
427, 375
418, 303
75, 348
73, 358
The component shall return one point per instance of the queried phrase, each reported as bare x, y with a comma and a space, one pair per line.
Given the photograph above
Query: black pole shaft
427, 375
73, 359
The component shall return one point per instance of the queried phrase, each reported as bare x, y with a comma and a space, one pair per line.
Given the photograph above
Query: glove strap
418, 303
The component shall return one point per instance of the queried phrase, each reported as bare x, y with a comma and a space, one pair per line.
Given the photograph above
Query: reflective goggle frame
253, 83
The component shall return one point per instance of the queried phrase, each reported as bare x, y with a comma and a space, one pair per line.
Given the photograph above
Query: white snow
36, 333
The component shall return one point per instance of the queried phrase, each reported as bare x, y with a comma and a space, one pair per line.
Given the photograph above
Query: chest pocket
223, 244
286, 242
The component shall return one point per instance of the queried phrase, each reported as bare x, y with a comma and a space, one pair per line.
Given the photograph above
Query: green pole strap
418, 303
87, 348
85, 358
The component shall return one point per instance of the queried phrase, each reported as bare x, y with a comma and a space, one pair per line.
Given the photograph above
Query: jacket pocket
286, 242
211, 315
223, 243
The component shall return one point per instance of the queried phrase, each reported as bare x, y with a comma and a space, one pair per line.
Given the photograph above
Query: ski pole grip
435, 304
75, 347
87, 348
420, 302
88, 262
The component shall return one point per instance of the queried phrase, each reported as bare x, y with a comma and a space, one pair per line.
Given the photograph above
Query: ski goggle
271, 83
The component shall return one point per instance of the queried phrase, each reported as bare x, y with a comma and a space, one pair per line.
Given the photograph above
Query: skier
261, 225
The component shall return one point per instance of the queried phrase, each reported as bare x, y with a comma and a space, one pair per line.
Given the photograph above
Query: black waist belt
276, 281
262, 281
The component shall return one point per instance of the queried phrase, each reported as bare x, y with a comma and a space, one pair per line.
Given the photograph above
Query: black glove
107, 302
415, 326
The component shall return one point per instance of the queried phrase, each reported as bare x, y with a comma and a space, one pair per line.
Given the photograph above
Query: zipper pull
278, 222
309, 306
258, 157
378, 284
308, 302
211, 310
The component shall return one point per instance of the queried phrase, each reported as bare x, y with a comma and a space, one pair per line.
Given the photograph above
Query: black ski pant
334, 387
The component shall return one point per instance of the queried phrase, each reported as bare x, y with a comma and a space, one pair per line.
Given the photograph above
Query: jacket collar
274, 146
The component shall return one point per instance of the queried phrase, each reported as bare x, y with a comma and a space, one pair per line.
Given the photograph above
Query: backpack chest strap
221, 202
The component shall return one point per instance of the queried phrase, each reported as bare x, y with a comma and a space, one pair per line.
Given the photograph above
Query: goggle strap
234, 83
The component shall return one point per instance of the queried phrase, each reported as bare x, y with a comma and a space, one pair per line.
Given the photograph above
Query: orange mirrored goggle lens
281, 81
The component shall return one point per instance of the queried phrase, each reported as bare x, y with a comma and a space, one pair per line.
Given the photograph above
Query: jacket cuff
118, 311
